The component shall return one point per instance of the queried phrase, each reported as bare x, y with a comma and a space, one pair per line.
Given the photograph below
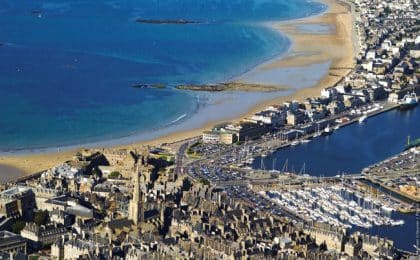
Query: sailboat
318, 133
296, 141
273, 170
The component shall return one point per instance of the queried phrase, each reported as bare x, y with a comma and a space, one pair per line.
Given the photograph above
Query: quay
274, 144
398, 176
409, 203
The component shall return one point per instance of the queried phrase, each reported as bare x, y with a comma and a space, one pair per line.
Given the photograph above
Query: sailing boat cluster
337, 205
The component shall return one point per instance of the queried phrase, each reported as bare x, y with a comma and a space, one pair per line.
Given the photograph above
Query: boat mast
417, 229
274, 162
302, 170
285, 166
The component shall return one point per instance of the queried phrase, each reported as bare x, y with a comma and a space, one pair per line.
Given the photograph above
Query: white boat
294, 143
327, 130
397, 223
409, 101
362, 119
304, 141
387, 209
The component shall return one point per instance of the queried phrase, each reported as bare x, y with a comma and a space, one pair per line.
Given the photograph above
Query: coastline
315, 48
307, 49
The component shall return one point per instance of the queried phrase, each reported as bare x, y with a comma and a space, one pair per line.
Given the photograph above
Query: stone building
18, 201
12, 243
42, 235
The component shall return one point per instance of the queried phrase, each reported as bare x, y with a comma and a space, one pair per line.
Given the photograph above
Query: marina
336, 205
361, 145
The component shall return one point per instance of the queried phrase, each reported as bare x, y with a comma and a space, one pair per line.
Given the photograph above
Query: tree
114, 175
41, 217
387, 10
205, 182
18, 226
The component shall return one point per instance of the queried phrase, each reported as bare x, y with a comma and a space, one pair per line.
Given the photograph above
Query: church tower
136, 207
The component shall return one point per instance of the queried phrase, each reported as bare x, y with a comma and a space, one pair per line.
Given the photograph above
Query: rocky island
166, 21
229, 86
148, 86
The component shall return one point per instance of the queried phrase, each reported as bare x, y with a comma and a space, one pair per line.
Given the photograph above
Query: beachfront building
329, 93
292, 105
211, 137
221, 136
248, 130
295, 117
269, 117
122, 160
228, 137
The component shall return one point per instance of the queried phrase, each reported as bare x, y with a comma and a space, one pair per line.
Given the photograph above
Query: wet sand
9, 173
334, 47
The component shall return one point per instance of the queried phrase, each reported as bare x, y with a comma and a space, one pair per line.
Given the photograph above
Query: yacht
409, 101
304, 141
327, 130
294, 143
397, 222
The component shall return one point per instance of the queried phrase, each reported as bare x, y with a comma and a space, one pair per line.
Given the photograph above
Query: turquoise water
66, 67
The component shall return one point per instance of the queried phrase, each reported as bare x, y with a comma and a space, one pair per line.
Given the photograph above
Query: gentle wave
178, 119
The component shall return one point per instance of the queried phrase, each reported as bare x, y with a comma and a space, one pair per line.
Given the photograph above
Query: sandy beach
315, 48
334, 46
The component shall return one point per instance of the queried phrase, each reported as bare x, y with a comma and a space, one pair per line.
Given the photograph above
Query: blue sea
67, 67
